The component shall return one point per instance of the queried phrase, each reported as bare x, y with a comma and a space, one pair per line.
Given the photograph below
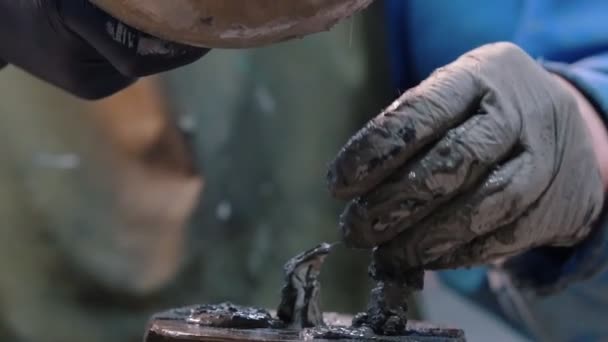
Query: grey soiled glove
487, 158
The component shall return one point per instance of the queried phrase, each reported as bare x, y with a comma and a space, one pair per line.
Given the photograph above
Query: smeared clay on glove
487, 158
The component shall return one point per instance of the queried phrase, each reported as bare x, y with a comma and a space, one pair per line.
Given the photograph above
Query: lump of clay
300, 297
231, 23
225, 315
387, 310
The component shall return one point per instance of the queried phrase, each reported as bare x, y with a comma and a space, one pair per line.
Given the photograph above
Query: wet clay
231, 23
299, 316
228, 315
388, 307
300, 297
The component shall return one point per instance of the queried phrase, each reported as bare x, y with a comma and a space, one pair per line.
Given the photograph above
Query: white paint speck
224, 211
66, 161
265, 100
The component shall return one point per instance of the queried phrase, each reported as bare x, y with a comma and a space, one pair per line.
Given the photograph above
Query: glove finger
501, 200
507, 202
452, 166
133, 53
506, 242
394, 261
521, 235
483, 250
422, 115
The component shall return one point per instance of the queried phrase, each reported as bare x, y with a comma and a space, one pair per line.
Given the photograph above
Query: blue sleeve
589, 75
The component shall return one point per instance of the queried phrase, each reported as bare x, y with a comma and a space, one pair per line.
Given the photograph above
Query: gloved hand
487, 158
76, 46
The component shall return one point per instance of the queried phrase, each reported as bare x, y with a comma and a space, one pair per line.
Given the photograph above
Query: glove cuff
593, 84
550, 269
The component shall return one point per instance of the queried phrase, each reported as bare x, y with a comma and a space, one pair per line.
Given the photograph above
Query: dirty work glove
487, 158
77, 47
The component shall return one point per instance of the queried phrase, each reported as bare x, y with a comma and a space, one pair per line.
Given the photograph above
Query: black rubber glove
76, 46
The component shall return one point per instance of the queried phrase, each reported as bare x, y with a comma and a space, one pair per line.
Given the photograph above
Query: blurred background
191, 187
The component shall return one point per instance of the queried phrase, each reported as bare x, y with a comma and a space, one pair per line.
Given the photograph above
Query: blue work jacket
567, 296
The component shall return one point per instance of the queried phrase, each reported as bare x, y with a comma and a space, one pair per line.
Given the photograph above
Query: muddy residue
226, 315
